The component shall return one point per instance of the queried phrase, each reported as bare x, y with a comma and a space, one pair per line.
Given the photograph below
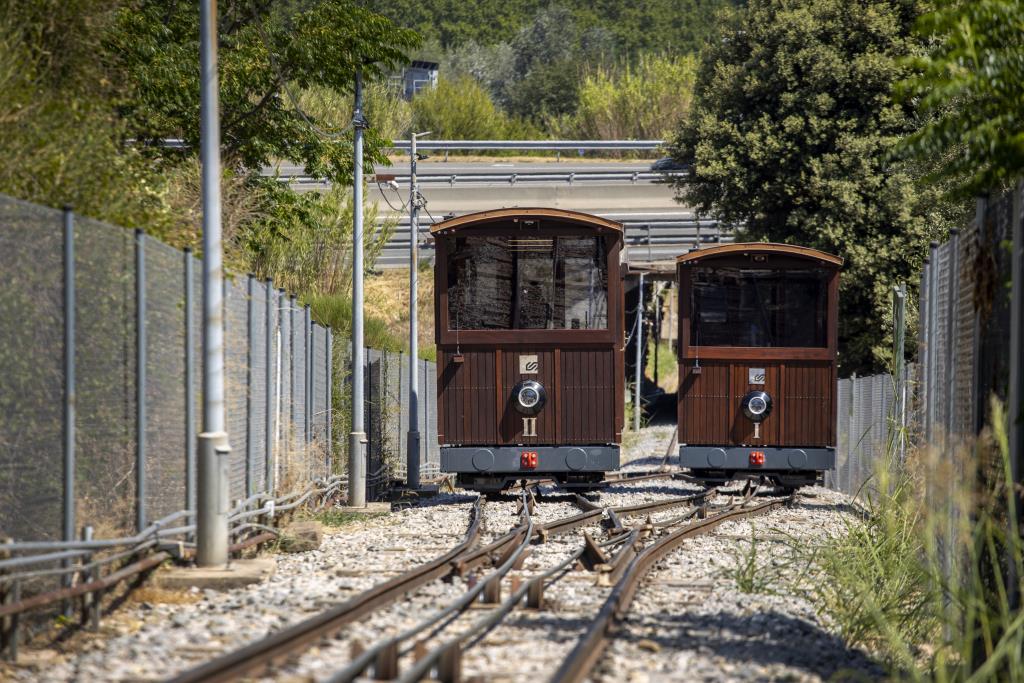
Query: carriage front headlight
528, 397
757, 405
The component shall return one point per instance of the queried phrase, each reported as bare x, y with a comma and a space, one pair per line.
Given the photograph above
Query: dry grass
387, 298
164, 596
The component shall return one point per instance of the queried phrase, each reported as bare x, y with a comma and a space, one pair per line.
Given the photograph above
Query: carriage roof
480, 218
743, 248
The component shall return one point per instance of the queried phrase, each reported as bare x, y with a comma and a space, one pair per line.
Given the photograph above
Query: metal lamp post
212, 499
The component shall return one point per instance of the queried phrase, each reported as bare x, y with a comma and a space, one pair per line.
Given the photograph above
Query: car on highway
669, 165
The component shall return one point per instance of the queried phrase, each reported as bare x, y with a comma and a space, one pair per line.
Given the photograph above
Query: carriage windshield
542, 283
766, 308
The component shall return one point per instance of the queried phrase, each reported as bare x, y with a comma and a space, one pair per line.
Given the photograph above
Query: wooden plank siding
475, 405
802, 394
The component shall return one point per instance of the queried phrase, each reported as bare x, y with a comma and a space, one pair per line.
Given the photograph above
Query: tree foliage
642, 26
645, 100
268, 53
969, 88
461, 108
791, 137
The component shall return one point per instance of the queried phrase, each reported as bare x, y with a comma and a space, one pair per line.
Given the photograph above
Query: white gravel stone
690, 620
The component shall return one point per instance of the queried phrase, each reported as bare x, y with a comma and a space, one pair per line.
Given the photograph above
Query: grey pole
933, 329
140, 380
329, 389
250, 452
412, 456
190, 385
638, 370
952, 306
212, 503
268, 454
307, 332
1015, 409
898, 340
293, 405
357, 437
69, 376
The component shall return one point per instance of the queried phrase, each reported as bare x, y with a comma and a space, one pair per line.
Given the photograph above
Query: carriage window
748, 307
528, 283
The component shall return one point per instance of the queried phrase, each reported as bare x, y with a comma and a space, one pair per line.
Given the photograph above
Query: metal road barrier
547, 145
647, 238
510, 178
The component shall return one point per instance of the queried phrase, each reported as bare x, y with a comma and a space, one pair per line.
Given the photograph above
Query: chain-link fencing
966, 350
101, 379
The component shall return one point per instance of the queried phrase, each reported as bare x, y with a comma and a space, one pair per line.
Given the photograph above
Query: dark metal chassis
495, 468
790, 467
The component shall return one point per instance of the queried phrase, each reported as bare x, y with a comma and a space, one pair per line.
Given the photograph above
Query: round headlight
757, 405
528, 397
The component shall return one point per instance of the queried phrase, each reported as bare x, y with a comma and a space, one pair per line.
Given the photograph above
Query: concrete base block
299, 537
370, 509
238, 574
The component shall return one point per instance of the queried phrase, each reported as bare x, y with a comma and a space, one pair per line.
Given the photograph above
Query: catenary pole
212, 503
638, 370
357, 438
412, 457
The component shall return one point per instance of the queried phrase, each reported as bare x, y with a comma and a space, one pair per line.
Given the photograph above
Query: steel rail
589, 648
448, 653
385, 652
288, 641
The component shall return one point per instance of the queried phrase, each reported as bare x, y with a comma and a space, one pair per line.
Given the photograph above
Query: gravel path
698, 617
716, 611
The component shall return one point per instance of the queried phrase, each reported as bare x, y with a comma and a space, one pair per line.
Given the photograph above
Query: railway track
607, 543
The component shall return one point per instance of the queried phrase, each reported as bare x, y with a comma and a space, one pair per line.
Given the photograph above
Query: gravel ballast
699, 615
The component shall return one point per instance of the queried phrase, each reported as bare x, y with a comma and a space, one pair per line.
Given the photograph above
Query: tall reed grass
927, 578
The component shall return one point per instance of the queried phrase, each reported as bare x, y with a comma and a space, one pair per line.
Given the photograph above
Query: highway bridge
657, 227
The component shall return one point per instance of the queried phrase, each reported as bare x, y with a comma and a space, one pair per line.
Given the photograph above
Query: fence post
1015, 409
140, 380
851, 434
933, 324
69, 388
291, 371
952, 308
328, 399
190, 390
307, 367
250, 452
898, 339
268, 456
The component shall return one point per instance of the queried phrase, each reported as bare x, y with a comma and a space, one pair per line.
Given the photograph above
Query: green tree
969, 89
268, 53
791, 136
461, 108
645, 100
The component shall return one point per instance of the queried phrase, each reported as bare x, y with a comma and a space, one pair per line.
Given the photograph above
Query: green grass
338, 518
668, 367
887, 587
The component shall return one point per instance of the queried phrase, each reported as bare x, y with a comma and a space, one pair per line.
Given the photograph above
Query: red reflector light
528, 460
756, 457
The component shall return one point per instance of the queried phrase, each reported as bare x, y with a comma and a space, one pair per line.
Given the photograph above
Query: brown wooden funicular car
757, 362
529, 331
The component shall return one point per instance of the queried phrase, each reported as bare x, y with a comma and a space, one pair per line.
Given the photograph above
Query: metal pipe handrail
546, 145
512, 178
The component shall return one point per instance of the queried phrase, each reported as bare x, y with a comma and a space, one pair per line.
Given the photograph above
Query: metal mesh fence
31, 370
256, 433
136, 318
165, 320
105, 336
